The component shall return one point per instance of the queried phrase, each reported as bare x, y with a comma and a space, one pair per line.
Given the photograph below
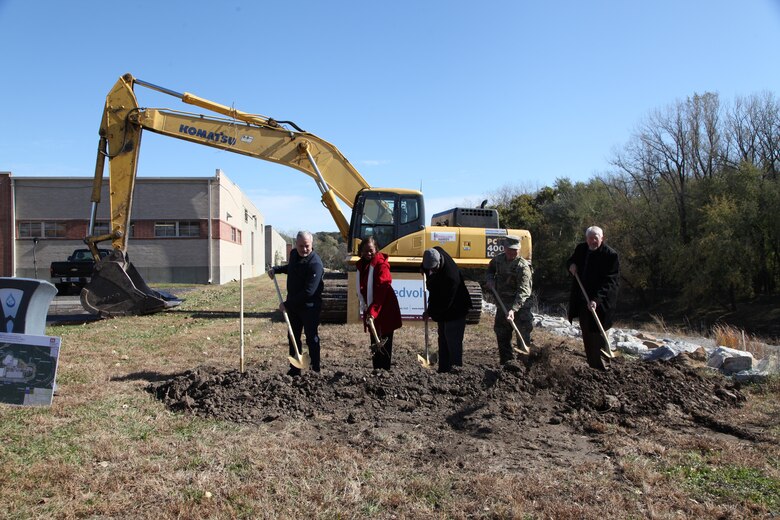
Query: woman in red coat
377, 299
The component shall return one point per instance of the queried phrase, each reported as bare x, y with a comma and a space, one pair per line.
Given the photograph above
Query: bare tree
754, 128
703, 114
673, 146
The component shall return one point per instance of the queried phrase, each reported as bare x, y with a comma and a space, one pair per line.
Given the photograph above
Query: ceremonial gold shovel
525, 350
608, 352
429, 359
301, 361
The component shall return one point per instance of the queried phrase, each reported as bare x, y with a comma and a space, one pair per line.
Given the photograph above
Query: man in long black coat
304, 296
448, 304
598, 267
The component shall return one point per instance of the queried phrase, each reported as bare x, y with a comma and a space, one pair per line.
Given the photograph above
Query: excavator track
334, 298
475, 293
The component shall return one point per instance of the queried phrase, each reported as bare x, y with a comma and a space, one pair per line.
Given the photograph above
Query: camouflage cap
512, 242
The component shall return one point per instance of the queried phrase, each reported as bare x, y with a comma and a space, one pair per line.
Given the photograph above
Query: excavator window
378, 220
379, 211
409, 210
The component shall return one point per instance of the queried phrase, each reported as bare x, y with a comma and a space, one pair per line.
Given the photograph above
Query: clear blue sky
460, 98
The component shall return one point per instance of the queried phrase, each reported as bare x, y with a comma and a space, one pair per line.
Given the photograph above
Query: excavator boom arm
242, 133
305, 152
116, 288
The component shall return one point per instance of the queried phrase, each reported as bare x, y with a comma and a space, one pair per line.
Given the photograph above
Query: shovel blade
428, 362
376, 347
301, 362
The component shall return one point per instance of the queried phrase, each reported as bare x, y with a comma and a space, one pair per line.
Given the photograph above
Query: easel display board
28, 368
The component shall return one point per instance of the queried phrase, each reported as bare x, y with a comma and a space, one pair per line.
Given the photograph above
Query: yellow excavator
395, 217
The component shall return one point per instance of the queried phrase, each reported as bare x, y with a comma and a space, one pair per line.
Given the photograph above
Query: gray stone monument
25, 303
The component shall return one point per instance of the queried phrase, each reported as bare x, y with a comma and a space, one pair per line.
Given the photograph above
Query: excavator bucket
117, 289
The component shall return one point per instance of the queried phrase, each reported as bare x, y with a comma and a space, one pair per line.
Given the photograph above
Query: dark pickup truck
75, 272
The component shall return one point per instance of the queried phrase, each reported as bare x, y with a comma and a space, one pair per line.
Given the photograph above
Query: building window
44, 229
233, 233
101, 228
53, 229
165, 228
175, 228
29, 229
189, 228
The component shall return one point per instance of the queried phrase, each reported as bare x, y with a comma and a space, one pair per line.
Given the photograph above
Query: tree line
690, 202
330, 246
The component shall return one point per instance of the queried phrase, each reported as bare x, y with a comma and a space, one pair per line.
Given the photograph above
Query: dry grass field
152, 419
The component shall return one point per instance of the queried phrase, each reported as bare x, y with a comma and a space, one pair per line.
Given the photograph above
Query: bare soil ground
152, 420
543, 411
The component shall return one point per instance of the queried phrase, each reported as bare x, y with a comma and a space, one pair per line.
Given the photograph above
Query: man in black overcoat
448, 305
304, 297
598, 267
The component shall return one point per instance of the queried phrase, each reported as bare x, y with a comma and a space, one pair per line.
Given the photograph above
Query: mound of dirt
552, 386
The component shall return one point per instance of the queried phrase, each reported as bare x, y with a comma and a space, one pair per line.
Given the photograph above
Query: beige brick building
183, 229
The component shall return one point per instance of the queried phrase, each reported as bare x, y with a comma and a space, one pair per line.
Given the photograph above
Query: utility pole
35, 263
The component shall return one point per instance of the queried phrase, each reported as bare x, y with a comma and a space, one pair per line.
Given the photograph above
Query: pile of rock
739, 364
742, 366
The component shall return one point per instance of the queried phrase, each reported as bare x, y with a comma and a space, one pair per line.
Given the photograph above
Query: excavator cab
386, 215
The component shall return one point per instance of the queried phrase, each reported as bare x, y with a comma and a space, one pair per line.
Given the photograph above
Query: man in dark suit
598, 267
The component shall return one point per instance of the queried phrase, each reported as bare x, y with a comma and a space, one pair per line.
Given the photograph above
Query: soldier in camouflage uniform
510, 274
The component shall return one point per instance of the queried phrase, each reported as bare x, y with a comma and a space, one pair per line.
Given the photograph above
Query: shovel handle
512, 322
372, 328
287, 319
425, 310
608, 353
